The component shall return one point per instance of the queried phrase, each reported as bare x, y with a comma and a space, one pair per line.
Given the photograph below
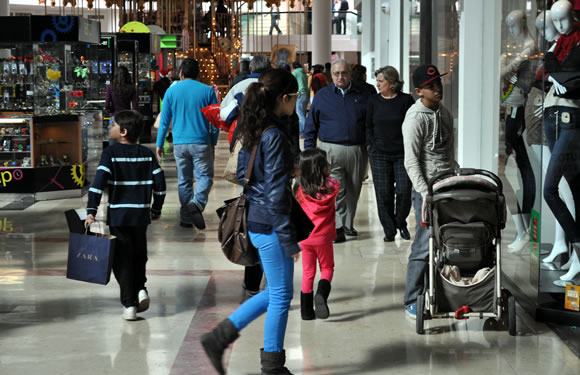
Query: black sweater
133, 176
384, 122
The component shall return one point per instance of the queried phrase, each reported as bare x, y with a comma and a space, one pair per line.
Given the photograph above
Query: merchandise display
48, 76
15, 142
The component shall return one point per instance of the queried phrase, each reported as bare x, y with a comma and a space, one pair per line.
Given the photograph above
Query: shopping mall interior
59, 56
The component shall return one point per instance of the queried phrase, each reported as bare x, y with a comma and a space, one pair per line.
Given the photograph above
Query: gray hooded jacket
428, 139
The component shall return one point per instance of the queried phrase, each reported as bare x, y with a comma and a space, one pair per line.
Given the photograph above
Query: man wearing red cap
428, 140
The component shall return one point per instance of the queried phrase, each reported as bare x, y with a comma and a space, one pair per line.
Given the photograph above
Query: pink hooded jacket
321, 212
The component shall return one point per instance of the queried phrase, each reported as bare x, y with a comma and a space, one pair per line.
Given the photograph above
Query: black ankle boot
320, 305
215, 342
273, 363
307, 306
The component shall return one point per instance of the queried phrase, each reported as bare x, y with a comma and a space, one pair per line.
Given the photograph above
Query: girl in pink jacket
316, 194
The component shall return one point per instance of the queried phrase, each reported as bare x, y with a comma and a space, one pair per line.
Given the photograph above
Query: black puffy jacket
269, 191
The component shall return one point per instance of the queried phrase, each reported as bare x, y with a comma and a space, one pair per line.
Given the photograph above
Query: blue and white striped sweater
133, 177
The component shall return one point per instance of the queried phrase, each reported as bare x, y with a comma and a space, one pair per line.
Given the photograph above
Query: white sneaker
143, 300
130, 313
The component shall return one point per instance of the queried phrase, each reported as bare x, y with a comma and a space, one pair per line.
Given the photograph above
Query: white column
368, 37
478, 117
382, 20
391, 31
321, 31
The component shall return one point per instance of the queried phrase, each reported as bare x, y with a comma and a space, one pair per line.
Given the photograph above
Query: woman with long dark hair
270, 229
121, 94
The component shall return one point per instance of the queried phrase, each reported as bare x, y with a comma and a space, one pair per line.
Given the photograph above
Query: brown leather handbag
233, 227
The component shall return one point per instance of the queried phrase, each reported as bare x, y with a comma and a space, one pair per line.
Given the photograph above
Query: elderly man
337, 118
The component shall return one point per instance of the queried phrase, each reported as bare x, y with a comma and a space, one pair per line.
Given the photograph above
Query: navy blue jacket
132, 176
334, 118
269, 191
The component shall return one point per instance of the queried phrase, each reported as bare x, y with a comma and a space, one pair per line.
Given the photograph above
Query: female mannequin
548, 31
517, 77
561, 114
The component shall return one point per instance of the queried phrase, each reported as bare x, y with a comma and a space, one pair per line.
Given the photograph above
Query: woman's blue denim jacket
269, 191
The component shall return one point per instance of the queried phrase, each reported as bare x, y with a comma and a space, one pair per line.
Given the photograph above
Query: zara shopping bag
90, 257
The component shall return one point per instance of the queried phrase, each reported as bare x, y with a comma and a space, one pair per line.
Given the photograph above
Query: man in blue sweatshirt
337, 118
194, 139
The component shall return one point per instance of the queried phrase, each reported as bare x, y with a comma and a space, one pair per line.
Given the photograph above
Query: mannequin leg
514, 142
568, 264
522, 235
563, 141
574, 268
542, 154
514, 209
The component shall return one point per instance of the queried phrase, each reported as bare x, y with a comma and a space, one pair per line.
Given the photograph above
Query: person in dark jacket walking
133, 177
337, 118
359, 75
385, 115
243, 74
269, 225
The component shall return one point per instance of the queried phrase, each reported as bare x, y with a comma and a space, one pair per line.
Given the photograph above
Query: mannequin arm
559, 88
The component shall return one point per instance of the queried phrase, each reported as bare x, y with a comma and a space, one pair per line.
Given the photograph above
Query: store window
539, 161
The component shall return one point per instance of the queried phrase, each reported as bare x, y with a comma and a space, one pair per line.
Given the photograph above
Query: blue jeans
275, 299
419, 257
193, 159
562, 129
301, 105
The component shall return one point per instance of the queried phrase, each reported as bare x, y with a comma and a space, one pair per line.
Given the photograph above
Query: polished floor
52, 325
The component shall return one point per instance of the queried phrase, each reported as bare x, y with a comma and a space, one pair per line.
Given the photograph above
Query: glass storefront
539, 135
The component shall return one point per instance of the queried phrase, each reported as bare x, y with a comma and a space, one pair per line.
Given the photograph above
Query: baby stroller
465, 211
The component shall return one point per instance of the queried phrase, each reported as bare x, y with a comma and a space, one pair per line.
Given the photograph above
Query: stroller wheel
512, 315
420, 314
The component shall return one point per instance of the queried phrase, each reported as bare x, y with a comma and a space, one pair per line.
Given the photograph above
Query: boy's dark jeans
130, 260
562, 129
419, 257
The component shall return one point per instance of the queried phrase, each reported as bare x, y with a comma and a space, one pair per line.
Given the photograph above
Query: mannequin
517, 76
561, 114
541, 151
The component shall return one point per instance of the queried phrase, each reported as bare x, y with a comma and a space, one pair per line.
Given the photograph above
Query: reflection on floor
51, 325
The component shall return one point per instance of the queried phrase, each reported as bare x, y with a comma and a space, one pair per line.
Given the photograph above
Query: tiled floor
52, 325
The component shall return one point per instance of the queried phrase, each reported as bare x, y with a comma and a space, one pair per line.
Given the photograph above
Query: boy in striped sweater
133, 177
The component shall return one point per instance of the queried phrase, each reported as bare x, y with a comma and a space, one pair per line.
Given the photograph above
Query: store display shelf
43, 143
15, 152
15, 135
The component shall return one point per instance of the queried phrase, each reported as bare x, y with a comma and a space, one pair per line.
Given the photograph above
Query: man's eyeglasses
340, 74
296, 94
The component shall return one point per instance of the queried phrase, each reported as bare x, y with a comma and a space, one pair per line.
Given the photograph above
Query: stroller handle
464, 172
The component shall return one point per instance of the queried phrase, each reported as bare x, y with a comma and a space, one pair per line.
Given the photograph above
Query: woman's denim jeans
562, 128
193, 159
275, 298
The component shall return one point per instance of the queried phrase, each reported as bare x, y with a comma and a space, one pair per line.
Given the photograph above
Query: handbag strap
253, 157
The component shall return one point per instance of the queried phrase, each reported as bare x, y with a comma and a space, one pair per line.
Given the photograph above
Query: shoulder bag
233, 227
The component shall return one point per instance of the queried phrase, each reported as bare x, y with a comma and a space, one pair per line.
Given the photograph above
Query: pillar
478, 114
321, 31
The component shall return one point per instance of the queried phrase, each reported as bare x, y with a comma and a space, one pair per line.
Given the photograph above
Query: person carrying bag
270, 227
